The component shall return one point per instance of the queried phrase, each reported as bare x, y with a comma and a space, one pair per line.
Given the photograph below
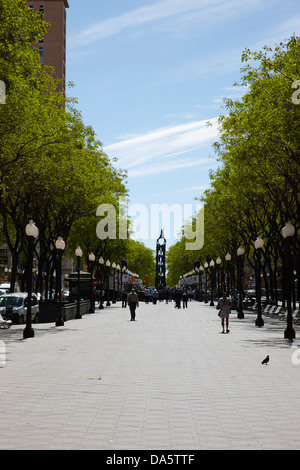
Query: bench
267, 309
269, 312
295, 316
276, 312
5, 323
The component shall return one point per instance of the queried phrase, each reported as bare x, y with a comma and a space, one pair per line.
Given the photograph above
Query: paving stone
170, 380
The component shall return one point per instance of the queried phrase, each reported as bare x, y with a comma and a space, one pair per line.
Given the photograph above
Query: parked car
14, 307
250, 293
5, 286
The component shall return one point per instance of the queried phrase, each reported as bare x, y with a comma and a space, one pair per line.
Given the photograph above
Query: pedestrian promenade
168, 381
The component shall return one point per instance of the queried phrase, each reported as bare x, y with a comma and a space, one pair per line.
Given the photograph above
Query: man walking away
185, 298
147, 295
155, 296
124, 298
133, 302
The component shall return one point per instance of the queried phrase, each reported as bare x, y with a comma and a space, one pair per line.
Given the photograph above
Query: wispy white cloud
193, 188
281, 32
183, 11
112, 26
174, 165
182, 115
163, 149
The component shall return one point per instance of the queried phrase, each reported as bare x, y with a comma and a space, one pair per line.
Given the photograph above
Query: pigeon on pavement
266, 360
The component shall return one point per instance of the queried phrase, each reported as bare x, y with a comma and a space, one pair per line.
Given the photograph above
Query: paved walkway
170, 380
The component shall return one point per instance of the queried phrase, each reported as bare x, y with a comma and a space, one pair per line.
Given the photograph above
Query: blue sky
149, 75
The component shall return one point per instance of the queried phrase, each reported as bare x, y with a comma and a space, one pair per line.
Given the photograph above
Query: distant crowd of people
152, 295
180, 296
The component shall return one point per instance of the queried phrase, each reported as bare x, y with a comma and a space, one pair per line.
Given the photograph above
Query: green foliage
256, 189
140, 260
52, 167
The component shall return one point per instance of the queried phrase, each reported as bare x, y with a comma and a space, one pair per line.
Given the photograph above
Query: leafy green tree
33, 114
140, 260
256, 189
52, 167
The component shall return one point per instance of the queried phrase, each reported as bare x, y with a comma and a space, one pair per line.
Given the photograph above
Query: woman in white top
224, 305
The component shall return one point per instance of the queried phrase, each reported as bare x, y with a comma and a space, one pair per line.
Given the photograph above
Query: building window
41, 51
41, 8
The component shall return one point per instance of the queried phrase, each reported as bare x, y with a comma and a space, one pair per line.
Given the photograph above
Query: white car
14, 307
5, 286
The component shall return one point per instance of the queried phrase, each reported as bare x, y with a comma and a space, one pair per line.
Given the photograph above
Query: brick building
52, 47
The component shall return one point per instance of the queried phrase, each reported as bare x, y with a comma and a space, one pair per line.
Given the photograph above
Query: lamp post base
259, 322
59, 322
289, 333
28, 333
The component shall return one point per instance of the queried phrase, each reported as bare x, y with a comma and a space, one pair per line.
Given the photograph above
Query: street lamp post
212, 281
201, 269
206, 267
101, 262
227, 259
294, 277
78, 253
92, 258
240, 252
218, 262
288, 232
118, 293
32, 233
107, 284
122, 278
60, 247
258, 244
197, 270
7, 274
114, 282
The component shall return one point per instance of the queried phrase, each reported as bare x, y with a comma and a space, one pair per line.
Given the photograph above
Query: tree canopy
52, 167
255, 191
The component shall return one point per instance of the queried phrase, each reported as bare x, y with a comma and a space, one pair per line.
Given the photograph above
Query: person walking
147, 295
155, 296
133, 303
124, 298
167, 295
184, 298
224, 304
177, 298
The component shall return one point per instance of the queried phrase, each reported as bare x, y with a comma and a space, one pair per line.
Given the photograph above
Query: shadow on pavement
15, 333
